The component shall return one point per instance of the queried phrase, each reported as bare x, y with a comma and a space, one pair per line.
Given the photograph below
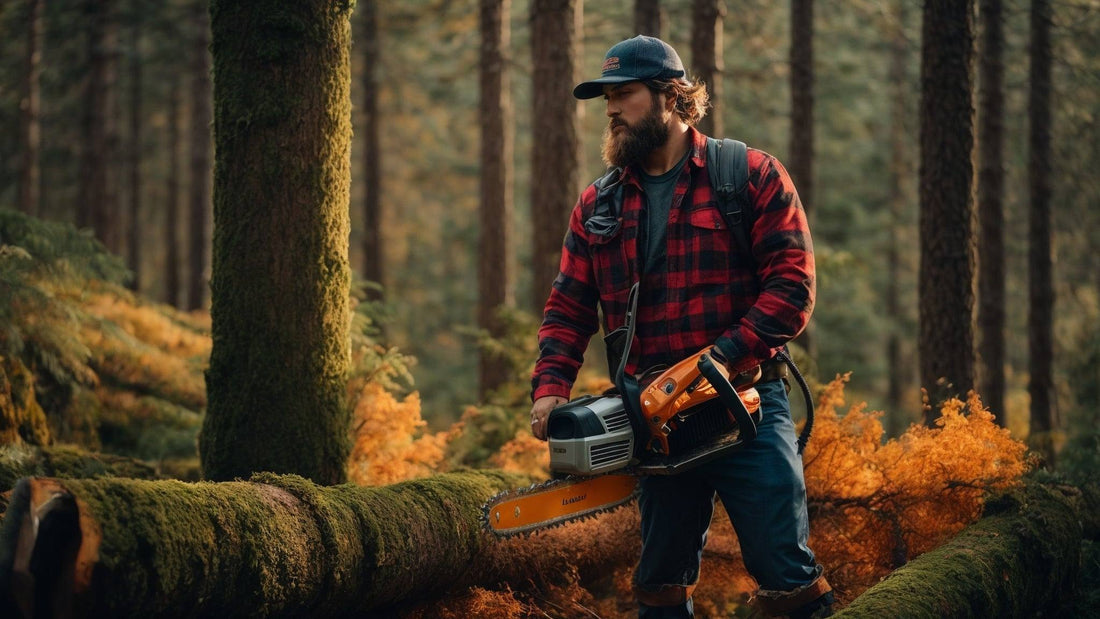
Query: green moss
21, 417
1019, 558
66, 461
281, 277
281, 545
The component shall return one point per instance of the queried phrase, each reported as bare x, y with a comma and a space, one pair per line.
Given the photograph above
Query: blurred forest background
954, 210
105, 122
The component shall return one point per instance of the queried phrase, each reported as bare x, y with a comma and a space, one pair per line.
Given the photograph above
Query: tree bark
1019, 560
30, 135
173, 262
133, 152
273, 546
991, 180
801, 150
97, 193
901, 368
555, 148
948, 251
706, 59
373, 257
281, 279
495, 270
201, 152
649, 19
1040, 320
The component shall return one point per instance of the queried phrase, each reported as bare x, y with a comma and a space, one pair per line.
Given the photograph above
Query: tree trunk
173, 263
649, 19
801, 151
30, 137
495, 271
281, 279
133, 151
947, 241
200, 141
991, 175
706, 59
273, 546
1020, 560
373, 259
97, 201
1040, 322
900, 204
555, 149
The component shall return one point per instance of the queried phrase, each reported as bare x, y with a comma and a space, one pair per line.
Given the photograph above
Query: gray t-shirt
659, 191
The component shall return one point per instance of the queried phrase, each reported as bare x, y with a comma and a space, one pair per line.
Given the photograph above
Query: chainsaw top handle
728, 395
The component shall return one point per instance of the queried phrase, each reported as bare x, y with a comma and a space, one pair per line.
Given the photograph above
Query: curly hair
692, 99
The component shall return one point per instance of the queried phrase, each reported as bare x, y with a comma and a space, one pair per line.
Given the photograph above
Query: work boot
817, 609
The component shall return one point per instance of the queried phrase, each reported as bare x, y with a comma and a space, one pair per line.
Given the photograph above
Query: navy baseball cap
640, 58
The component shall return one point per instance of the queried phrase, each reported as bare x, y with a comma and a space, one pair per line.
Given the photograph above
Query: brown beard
636, 142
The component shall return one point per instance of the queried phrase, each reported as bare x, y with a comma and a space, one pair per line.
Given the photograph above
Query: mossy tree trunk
281, 279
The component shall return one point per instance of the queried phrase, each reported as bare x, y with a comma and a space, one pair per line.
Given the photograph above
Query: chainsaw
688, 415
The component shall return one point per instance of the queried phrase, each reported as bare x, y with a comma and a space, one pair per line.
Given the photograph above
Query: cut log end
52, 544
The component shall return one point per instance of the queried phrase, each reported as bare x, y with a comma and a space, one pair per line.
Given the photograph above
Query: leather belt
773, 369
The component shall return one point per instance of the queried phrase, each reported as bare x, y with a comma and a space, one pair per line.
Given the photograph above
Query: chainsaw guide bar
556, 502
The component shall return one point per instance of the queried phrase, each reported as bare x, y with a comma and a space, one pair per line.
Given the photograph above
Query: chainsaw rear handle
729, 398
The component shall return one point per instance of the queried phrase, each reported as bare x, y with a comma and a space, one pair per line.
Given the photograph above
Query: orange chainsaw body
678, 392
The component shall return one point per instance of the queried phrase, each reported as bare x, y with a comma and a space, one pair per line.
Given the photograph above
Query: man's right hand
540, 414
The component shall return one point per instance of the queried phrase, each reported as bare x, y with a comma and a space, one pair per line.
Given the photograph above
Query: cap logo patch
611, 64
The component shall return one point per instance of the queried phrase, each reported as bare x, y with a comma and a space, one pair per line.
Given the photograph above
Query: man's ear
670, 102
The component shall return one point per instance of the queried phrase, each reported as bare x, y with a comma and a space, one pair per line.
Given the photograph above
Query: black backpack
728, 169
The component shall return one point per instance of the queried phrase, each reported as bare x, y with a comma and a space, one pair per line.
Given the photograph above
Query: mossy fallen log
18, 461
1019, 560
272, 546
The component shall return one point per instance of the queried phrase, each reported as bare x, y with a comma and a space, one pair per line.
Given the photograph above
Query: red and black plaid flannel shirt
710, 292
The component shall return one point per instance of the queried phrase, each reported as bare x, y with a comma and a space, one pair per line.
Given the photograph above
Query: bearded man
698, 288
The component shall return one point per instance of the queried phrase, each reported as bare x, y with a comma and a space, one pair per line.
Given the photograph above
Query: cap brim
593, 89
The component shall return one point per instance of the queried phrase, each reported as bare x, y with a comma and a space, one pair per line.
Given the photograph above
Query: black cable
804, 437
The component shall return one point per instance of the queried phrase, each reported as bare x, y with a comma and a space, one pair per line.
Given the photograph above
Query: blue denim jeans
763, 490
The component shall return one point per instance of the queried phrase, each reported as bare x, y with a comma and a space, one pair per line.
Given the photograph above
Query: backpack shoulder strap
728, 169
604, 218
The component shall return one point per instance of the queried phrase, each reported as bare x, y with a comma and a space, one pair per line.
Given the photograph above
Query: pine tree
649, 19
281, 279
373, 256
555, 148
947, 240
1040, 320
706, 58
494, 271
30, 137
991, 175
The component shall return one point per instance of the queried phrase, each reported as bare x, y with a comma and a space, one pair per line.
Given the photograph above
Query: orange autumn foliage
388, 442
875, 505
523, 454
